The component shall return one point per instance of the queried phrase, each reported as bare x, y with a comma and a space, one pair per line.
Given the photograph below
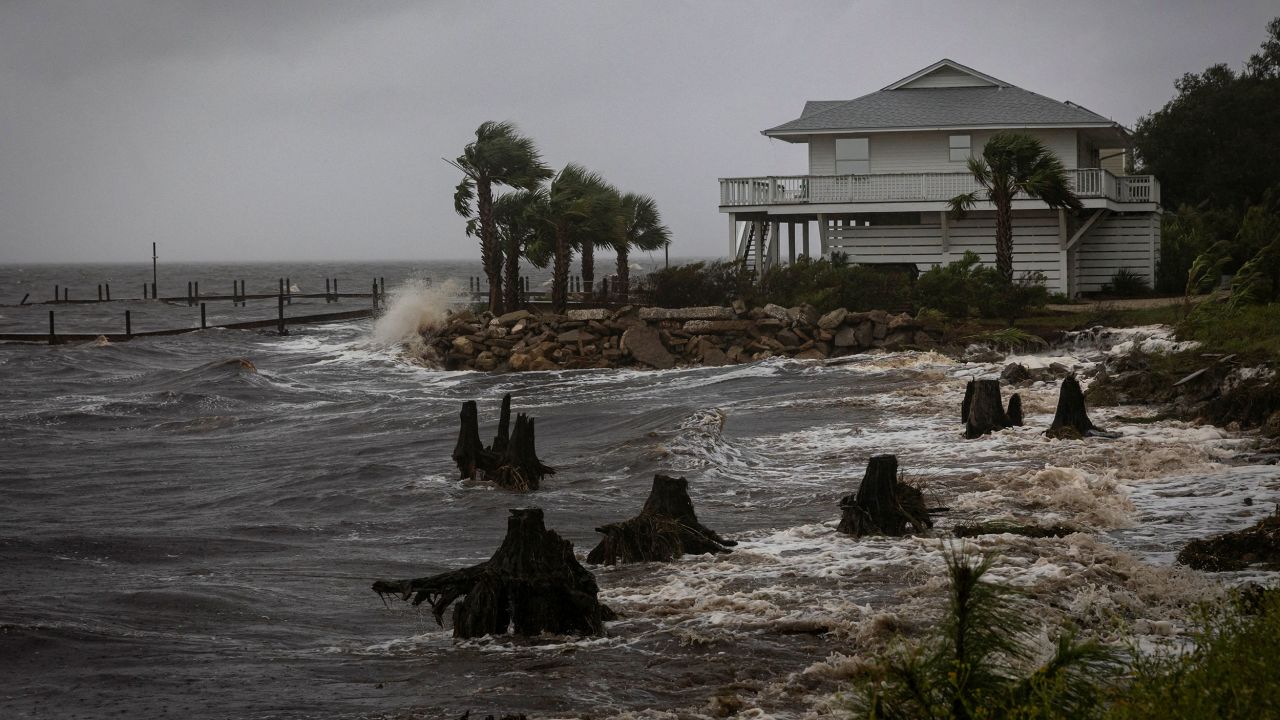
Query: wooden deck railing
802, 189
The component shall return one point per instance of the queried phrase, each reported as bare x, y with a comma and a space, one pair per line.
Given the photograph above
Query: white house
883, 166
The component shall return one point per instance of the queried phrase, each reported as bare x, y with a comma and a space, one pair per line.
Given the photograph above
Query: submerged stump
883, 505
665, 529
532, 584
1070, 420
984, 410
1014, 412
510, 462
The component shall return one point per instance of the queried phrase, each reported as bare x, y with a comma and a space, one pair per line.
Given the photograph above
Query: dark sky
302, 129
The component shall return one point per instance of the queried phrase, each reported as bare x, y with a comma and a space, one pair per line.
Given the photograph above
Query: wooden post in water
197, 295
66, 294
190, 302
326, 290
144, 291
281, 282
24, 299
288, 290
382, 289
57, 292
108, 292
53, 336
128, 324
280, 327
375, 296
203, 325
99, 292
335, 289
154, 257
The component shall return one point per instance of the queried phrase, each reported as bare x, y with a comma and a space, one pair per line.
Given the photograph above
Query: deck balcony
1089, 184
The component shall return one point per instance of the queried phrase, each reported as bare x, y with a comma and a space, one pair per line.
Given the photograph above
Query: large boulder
645, 345
512, 317
832, 320
596, 314
777, 312
717, 326
689, 313
846, 337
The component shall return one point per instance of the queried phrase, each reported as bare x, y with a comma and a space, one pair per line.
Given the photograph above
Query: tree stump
665, 529
532, 584
469, 453
883, 505
986, 411
519, 467
1014, 413
1070, 420
964, 404
510, 461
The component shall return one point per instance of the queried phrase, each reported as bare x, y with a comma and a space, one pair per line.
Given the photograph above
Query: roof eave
784, 134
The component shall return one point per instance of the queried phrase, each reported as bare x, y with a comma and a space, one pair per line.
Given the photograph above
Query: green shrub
1126, 283
960, 287
833, 283
978, 663
697, 284
1253, 329
1230, 672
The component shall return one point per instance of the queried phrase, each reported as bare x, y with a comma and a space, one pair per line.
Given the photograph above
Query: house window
959, 148
853, 156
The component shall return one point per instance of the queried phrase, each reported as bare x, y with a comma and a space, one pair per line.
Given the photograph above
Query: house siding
1036, 245
1122, 240
947, 77
913, 152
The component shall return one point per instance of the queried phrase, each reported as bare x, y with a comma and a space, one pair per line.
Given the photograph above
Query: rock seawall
661, 338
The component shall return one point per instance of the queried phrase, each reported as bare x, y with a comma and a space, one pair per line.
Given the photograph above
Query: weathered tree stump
986, 411
665, 529
1070, 420
964, 404
532, 584
883, 505
519, 467
1014, 413
510, 461
469, 453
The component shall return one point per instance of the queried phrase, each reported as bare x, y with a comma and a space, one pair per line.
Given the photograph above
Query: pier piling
288, 290
108, 286
128, 324
99, 292
203, 324
280, 327
53, 336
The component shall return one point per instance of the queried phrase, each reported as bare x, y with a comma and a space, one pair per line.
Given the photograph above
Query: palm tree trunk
490, 251
1004, 235
511, 288
622, 287
589, 268
560, 274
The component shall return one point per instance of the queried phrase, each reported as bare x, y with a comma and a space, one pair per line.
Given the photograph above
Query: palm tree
580, 207
516, 218
1013, 163
499, 155
642, 229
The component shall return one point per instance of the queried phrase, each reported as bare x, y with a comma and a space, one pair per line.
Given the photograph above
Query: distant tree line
546, 216
1216, 149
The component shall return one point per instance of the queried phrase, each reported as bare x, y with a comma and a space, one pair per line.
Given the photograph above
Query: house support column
823, 238
806, 239
1064, 256
944, 223
791, 243
775, 243
733, 235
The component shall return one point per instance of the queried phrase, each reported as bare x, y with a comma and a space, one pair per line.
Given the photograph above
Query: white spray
415, 306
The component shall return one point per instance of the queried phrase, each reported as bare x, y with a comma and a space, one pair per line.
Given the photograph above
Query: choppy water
181, 536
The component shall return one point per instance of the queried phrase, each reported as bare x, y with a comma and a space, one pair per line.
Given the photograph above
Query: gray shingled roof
939, 107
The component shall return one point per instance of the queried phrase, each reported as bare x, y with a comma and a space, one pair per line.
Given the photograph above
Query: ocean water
189, 525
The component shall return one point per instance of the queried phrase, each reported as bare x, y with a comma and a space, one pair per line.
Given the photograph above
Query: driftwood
532, 584
883, 505
984, 412
1070, 420
665, 529
510, 462
1014, 413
